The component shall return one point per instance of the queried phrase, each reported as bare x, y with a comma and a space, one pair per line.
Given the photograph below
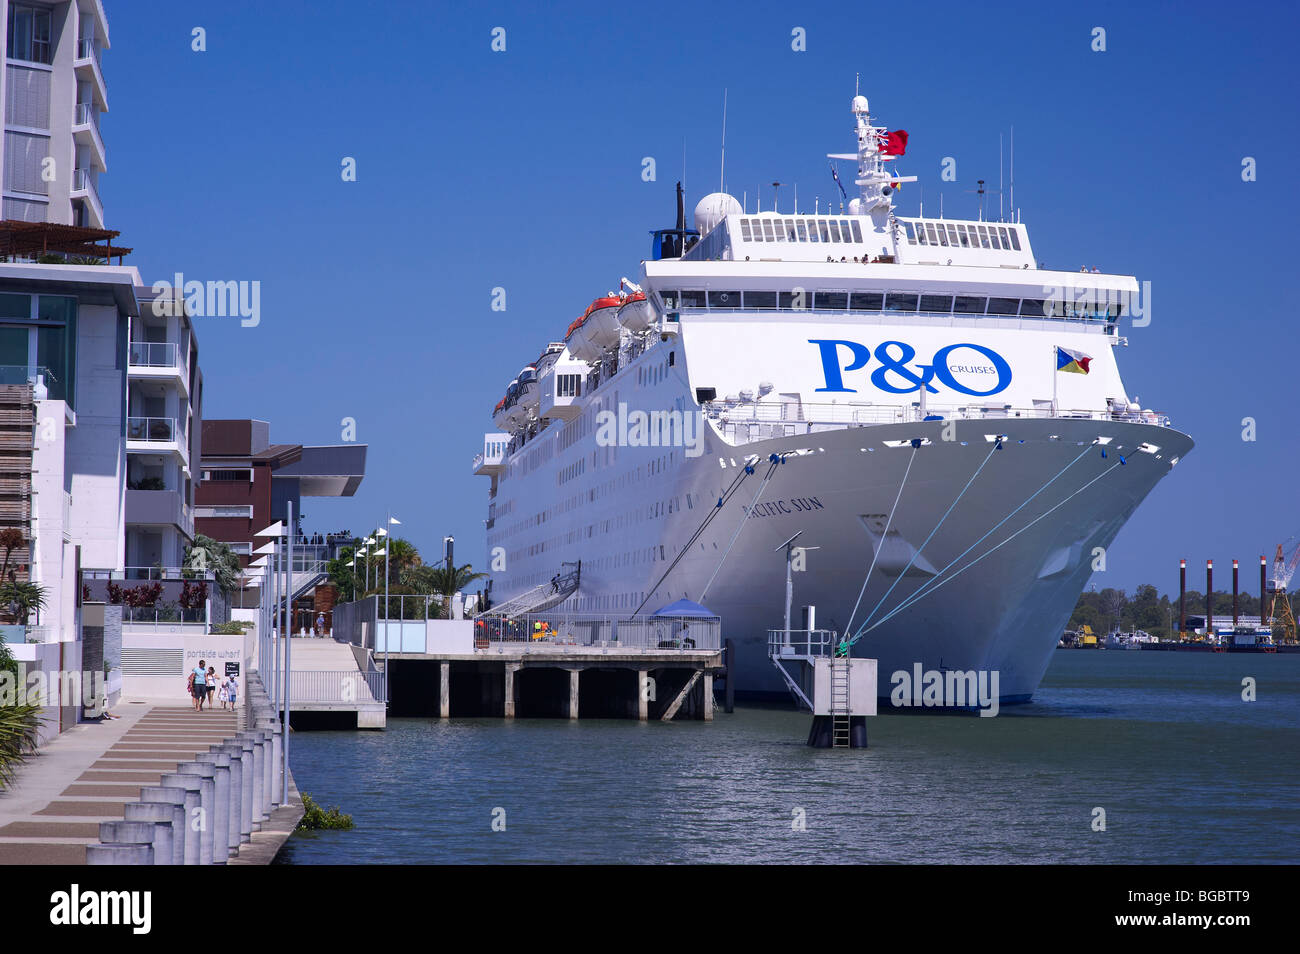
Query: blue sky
522, 170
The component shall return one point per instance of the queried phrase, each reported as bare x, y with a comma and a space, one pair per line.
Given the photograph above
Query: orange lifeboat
636, 313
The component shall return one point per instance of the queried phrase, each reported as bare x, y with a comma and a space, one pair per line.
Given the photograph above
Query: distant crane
1280, 613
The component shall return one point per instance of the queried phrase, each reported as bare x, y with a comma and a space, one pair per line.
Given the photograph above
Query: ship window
760, 299
812, 231
939, 303
1004, 306
568, 385
920, 235
930, 229
831, 301
793, 301
984, 237
767, 230
857, 231
835, 230
900, 302
1015, 239
993, 234
952, 235
803, 230
1034, 308
791, 234
866, 301
943, 235
825, 233
744, 229
907, 227
671, 299
965, 239
757, 230
968, 305
1006, 242
724, 299
693, 299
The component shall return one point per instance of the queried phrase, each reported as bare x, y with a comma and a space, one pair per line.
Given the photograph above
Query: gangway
802, 647
540, 598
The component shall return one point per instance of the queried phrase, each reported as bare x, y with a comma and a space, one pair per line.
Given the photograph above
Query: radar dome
711, 210
860, 104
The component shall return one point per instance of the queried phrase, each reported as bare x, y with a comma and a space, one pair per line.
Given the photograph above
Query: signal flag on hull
1075, 362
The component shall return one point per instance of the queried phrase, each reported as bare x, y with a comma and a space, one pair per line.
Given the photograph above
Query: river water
1184, 769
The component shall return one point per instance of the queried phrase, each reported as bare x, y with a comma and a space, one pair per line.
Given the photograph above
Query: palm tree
208, 554
343, 576
402, 556
449, 581
18, 725
11, 539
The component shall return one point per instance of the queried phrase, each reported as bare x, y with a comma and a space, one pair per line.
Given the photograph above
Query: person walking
320, 624
210, 681
198, 685
223, 692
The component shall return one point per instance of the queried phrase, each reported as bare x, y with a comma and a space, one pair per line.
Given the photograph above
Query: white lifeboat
636, 314
516, 414
601, 322
499, 415
579, 341
529, 395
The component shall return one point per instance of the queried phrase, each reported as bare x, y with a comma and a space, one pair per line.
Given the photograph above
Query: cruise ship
940, 419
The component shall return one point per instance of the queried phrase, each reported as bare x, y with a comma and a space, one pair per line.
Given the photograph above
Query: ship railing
800, 643
745, 422
552, 631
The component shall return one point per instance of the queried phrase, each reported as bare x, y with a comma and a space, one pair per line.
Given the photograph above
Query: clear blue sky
523, 170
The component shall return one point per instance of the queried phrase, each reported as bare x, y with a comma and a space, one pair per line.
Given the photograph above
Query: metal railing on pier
603, 632
801, 643
336, 686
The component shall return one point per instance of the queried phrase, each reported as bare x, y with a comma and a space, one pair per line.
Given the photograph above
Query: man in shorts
199, 685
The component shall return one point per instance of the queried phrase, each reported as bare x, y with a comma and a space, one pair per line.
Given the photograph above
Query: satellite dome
860, 104
711, 210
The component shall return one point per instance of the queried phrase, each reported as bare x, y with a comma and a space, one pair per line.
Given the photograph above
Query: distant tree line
1112, 609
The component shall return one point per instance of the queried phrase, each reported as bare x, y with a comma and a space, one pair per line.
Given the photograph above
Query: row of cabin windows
800, 230
891, 301
962, 235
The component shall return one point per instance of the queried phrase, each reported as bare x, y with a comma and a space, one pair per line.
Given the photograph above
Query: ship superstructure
897, 388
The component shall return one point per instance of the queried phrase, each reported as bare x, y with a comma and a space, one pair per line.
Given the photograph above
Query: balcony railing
88, 50
24, 374
160, 429
87, 115
155, 354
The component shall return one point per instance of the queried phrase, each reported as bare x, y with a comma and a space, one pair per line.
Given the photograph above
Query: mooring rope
918, 595
916, 445
917, 553
741, 526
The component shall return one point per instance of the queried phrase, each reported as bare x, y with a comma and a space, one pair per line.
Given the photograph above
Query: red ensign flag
894, 143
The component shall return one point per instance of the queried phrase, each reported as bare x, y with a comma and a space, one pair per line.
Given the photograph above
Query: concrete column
444, 697
706, 681
277, 766
510, 690
573, 693
257, 803
220, 763
207, 802
119, 854
235, 753
162, 816
643, 694
175, 799
246, 800
192, 786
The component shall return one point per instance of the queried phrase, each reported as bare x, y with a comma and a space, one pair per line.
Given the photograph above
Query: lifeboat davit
636, 314
529, 396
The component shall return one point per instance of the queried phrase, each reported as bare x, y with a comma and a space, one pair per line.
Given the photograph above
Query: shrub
315, 818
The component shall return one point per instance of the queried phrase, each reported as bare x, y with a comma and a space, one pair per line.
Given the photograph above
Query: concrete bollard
192, 786
163, 817
257, 805
119, 854
277, 754
234, 752
246, 801
175, 798
207, 796
131, 834
220, 763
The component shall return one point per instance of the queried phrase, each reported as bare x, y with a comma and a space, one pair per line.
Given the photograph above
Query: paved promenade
88, 773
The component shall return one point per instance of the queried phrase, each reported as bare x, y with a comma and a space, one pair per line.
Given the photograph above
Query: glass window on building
29, 34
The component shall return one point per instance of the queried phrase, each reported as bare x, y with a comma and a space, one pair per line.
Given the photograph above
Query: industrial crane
1280, 612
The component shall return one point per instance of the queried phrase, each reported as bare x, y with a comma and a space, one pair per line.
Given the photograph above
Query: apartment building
54, 94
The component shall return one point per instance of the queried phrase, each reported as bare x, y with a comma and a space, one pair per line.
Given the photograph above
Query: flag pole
1056, 357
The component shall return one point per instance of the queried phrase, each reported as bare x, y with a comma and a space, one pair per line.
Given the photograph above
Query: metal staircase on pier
540, 598
840, 702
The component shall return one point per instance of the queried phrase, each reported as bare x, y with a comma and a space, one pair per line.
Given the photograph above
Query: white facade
54, 93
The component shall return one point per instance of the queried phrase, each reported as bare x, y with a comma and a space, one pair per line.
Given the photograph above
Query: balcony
157, 508
492, 460
156, 435
88, 67
19, 374
86, 132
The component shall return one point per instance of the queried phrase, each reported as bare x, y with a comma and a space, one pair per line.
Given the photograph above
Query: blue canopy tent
685, 608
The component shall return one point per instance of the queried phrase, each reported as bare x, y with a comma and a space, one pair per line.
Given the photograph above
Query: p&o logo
896, 375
